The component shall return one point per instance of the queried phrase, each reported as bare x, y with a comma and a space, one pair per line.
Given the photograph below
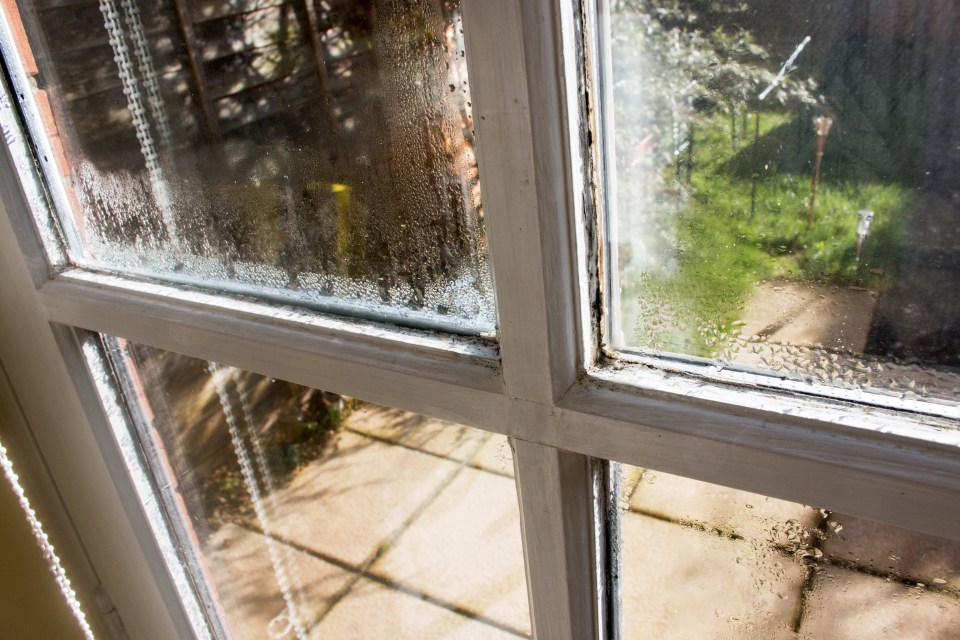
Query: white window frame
546, 383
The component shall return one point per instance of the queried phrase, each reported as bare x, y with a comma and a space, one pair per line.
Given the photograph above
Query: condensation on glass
318, 152
312, 515
700, 560
784, 188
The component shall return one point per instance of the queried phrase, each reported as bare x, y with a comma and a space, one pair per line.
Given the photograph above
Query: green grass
724, 249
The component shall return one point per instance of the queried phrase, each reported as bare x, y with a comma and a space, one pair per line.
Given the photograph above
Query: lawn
741, 219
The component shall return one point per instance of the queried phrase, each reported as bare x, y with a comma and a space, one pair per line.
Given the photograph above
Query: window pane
785, 187
704, 561
315, 515
319, 152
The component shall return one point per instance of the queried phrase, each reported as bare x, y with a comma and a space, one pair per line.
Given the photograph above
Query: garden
748, 154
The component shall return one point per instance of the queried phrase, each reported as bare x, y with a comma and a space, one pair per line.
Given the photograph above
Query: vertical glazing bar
515, 55
519, 57
556, 517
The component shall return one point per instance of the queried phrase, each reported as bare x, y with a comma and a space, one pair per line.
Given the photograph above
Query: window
747, 231
544, 378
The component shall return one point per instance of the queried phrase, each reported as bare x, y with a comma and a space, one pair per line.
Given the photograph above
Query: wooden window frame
545, 382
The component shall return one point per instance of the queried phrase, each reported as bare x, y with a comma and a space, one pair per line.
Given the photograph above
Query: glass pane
785, 187
318, 152
313, 515
704, 561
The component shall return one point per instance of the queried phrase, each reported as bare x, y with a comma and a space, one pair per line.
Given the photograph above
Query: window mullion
515, 58
516, 53
557, 520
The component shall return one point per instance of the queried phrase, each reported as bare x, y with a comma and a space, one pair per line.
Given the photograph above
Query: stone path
810, 315
409, 528
820, 332
704, 561
405, 528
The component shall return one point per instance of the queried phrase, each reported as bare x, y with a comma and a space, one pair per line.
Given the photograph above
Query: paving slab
239, 565
418, 432
372, 610
466, 549
345, 505
629, 479
495, 455
855, 606
712, 506
810, 315
679, 582
892, 550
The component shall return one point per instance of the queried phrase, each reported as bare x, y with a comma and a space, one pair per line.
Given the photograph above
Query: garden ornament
864, 218
822, 126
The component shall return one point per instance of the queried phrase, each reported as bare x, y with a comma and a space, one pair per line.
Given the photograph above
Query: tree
696, 62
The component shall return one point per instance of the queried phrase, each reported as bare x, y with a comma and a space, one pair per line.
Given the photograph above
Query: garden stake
756, 167
822, 125
733, 128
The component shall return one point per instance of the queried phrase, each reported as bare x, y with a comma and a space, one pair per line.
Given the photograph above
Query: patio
409, 527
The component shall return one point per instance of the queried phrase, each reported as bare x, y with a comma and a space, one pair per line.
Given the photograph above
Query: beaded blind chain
53, 561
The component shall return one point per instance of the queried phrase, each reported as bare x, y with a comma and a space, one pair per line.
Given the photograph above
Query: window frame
546, 383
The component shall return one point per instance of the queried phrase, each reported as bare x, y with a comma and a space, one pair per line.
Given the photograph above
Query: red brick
20, 36
46, 112
53, 133
60, 156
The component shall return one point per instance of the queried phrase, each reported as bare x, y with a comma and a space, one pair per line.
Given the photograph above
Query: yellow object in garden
341, 196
